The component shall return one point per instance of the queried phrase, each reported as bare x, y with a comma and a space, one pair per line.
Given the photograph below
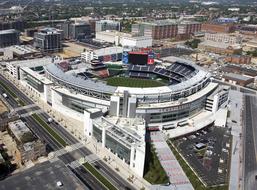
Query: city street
81, 172
250, 142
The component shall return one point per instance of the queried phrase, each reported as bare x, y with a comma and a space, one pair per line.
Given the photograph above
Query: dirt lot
3, 108
10, 145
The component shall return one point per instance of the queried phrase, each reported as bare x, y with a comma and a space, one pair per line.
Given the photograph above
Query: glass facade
97, 133
117, 148
35, 83
178, 112
76, 104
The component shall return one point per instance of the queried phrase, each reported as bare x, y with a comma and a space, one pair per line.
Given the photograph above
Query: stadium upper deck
186, 79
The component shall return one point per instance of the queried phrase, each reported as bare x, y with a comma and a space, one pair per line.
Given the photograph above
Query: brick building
159, 29
237, 79
218, 27
238, 59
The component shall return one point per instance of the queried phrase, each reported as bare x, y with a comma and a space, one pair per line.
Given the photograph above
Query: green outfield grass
133, 82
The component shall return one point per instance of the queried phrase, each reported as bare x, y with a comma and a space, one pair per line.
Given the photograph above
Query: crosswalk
75, 164
24, 107
31, 112
67, 149
91, 158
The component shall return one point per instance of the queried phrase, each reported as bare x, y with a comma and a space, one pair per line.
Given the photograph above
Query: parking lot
207, 152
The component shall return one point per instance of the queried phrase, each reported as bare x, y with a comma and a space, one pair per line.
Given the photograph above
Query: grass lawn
201, 152
155, 173
95, 173
197, 184
132, 82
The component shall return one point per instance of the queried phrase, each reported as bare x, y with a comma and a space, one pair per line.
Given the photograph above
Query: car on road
49, 120
5, 95
233, 121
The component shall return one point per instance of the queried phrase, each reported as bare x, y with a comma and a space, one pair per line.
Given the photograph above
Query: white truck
5, 95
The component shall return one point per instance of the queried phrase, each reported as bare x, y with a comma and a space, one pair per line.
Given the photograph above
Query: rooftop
32, 62
39, 77
107, 21
236, 76
43, 176
161, 22
108, 50
122, 130
219, 45
21, 132
8, 31
22, 49
49, 31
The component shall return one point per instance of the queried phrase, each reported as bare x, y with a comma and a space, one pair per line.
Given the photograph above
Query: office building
76, 30
79, 30
12, 24
9, 38
104, 25
48, 40
189, 27
159, 29
30, 32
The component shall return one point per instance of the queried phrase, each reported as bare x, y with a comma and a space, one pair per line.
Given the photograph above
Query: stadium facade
118, 117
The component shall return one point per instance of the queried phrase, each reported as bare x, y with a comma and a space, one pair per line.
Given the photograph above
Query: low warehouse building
237, 79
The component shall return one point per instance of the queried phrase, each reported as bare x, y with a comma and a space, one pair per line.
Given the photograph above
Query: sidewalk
235, 108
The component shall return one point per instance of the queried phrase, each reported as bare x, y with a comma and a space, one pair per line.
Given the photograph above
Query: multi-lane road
68, 157
250, 142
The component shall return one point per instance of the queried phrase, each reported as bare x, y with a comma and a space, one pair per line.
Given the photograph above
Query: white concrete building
13, 67
137, 41
104, 54
124, 39
223, 38
38, 85
124, 137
